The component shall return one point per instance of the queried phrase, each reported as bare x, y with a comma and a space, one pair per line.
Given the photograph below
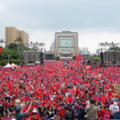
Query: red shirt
62, 112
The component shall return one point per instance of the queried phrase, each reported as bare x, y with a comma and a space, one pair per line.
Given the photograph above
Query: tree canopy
13, 46
19, 40
2, 41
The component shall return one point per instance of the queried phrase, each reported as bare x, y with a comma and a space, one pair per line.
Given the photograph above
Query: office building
11, 33
52, 47
98, 52
66, 44
84, 51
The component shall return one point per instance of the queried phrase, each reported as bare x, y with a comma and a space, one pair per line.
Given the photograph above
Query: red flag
37, 116
10, 83
34, 106
0, 50
1, 90
51, 72
26, 98
81, 58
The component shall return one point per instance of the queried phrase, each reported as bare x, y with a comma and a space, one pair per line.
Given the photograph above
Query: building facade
49, 55
66, 44
111, 56
24, 36
11, 33
84, 51
98, 52
31, 56
52, 47
34, 56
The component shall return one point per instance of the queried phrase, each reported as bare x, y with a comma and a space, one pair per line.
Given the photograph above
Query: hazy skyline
95, 20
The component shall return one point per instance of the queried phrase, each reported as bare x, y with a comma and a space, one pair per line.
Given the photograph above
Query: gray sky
95, 20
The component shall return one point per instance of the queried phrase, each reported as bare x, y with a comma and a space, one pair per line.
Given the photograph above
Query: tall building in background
24, 36
66, 44
98, 52
84, 51
11, 33
52, 47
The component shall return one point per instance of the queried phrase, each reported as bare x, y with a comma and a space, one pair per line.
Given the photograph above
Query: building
52, 47
31, 56
49, 55
24, 36
66, 44
84, 51
111, 56
98, 52
11, 33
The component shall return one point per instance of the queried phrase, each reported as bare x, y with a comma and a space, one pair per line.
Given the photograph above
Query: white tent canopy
37, 62
8, 65
13, 65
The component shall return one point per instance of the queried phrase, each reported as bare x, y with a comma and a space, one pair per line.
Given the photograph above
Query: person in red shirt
62, 111
106, 113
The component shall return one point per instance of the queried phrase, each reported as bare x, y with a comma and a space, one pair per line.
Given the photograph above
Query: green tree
57, 58
19, 40
2, 41
1, 56
74, 57
12, 52
20, 46
96, 59
13, 46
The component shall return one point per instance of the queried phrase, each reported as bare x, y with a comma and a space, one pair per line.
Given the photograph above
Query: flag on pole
79, 57
9, 83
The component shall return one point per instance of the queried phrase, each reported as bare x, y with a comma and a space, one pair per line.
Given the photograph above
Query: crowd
55, 91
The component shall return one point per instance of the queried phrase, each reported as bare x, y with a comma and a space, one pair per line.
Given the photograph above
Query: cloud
66, 14
2, 7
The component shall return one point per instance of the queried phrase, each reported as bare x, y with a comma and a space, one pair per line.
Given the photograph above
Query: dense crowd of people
59, 91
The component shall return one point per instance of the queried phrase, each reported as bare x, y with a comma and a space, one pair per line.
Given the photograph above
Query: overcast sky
95, 21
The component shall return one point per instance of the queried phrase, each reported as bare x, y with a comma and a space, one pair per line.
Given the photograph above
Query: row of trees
12, 52
17, 40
